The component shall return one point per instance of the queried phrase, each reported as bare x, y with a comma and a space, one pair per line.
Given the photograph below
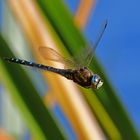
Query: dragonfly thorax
83, 76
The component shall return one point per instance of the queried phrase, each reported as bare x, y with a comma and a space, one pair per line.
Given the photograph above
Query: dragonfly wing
90, 55
81, 58
91, 49
50, 54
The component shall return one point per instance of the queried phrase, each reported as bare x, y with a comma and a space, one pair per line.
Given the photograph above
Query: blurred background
40, 105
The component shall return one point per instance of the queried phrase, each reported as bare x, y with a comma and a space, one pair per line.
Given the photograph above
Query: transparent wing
50, 54
83, 57
91, 49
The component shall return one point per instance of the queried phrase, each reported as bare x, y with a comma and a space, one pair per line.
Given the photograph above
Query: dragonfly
80, 74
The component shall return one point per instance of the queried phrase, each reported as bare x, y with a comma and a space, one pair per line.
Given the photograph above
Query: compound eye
95, 78
96, 81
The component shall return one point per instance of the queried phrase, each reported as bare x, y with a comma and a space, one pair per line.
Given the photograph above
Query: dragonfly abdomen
31, 64
63, 72
23, 62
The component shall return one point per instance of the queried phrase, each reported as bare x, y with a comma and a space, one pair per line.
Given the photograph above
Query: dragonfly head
96, 81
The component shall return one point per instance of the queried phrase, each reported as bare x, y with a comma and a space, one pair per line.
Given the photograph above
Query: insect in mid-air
80, 74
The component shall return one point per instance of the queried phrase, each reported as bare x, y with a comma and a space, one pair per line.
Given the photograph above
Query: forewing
83, 56
86, 60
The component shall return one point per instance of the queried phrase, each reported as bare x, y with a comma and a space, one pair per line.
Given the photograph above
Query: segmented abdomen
31, 64
63, 72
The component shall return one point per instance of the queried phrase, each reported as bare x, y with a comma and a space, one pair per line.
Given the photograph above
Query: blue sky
119, 49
